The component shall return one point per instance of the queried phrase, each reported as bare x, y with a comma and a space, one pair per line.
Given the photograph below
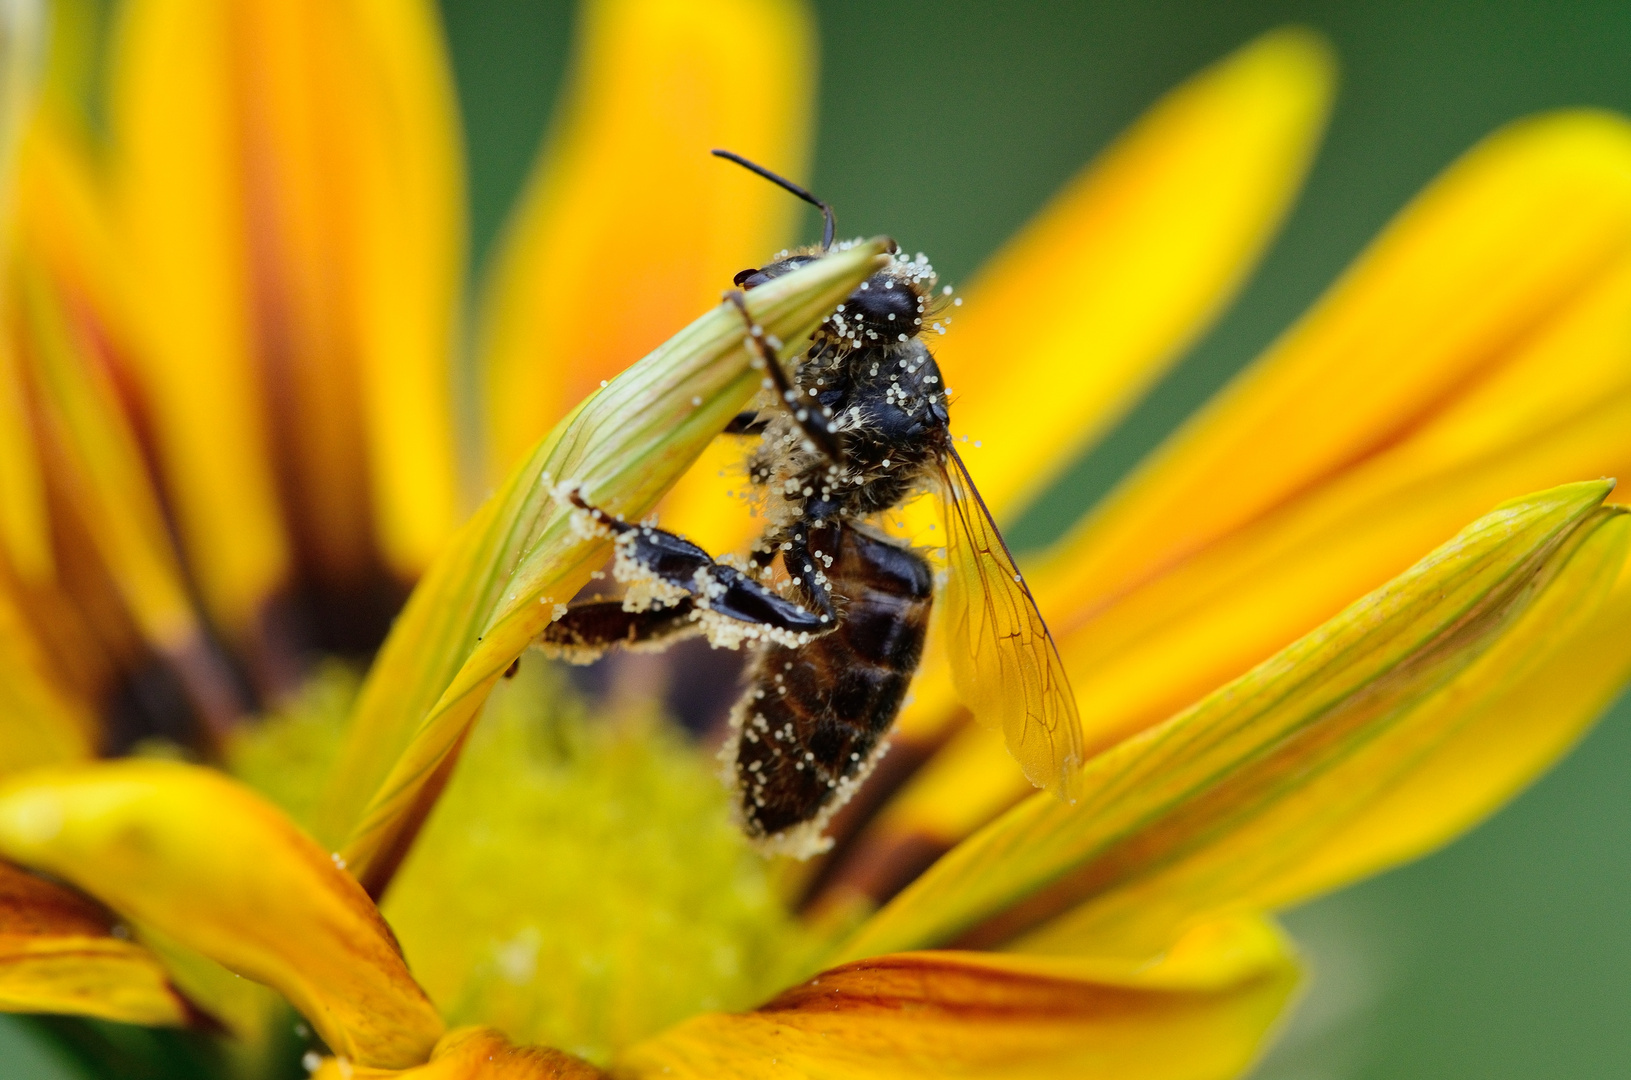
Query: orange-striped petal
501, 580
1469, 749
104, 474
1540, 396
70, 322
59, 954
69, 387
296, 336
1545, 693
1200, 1011
345, 132
1229, 802
25, 528
628, 227
42, 721
24, 531
78, 621
474, 1053
51, 215
114, 595
207, 863
179, 201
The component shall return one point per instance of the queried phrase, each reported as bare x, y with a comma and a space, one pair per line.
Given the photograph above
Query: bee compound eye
750, 278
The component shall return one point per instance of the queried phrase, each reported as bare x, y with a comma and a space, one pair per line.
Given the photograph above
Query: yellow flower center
580, 883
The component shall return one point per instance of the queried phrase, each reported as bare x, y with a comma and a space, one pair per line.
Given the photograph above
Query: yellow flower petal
58, 954
178, 198
1128, 266
1517, 228
497, 585
1221, 804
709, 505
474, 1053
628, 227
1200, 1011
1539, 393
409, 281
210, 865
1548, 684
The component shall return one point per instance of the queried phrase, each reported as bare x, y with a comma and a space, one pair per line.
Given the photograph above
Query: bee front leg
809, 416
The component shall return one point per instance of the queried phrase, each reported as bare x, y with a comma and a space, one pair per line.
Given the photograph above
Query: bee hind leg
587, 630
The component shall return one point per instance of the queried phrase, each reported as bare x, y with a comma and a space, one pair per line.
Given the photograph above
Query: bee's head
893, 305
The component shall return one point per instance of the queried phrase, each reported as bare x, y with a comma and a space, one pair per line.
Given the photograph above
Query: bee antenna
829, 219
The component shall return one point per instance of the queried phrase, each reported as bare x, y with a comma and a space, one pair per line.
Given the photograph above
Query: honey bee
859, 427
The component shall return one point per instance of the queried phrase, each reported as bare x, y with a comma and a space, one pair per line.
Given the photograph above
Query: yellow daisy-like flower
1364, 596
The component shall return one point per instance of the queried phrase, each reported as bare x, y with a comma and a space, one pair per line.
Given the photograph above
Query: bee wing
1004, 663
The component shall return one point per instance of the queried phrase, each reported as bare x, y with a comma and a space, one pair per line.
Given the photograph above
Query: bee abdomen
813, 717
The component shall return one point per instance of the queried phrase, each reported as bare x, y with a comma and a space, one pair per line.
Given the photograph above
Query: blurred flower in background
233, 318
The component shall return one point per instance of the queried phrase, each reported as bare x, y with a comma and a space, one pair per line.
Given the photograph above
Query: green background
947, 125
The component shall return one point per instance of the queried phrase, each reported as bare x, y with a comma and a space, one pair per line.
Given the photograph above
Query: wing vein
1009, 674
